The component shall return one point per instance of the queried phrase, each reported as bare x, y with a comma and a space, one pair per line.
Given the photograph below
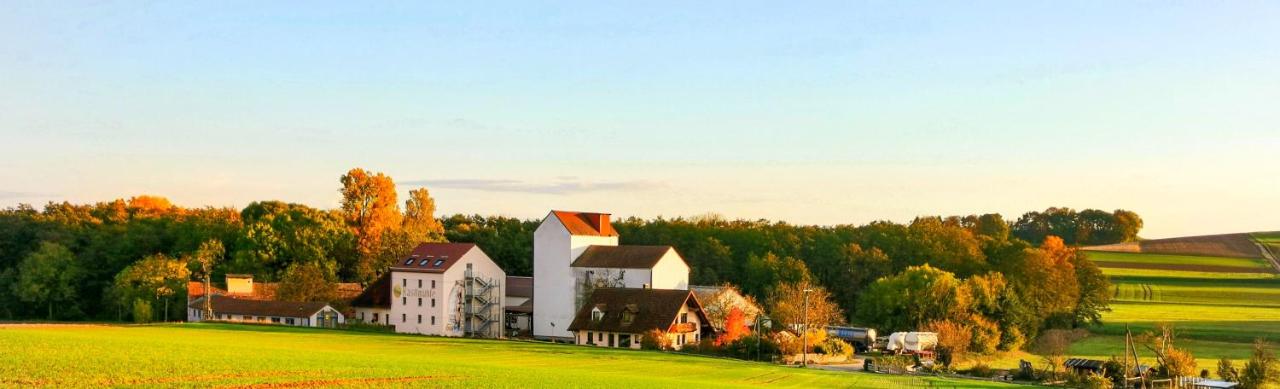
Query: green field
234, 355
1217, 305
1112, 258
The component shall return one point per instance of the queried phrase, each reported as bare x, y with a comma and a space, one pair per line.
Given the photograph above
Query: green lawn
224, 354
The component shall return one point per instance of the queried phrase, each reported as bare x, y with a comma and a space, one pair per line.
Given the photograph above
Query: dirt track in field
1184, 267
1225, 245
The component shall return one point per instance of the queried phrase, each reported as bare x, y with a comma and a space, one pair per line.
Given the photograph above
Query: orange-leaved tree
735, 327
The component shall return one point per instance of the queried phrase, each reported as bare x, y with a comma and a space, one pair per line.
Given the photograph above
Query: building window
404, 318
404, 301
375, 318
275, 320
439, 262
433, 284
433, 303
408, 262
588, 336
599, 336
419, 319
419, 283
404, 282
433, 320
361, 316
423, 262
684, 317
419, 299
288, 321
596, 314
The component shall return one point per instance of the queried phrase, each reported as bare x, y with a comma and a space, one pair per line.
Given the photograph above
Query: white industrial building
575, 253
445, 289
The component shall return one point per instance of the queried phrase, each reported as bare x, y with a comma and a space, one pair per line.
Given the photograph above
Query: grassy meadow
1218, 305
247, 355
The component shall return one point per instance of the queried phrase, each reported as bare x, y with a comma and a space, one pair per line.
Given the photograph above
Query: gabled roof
519, 286
625, 257
432, 257
377, 295
652, 309
586, 223
234, 306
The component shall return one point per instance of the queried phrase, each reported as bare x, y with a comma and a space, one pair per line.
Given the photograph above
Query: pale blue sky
840, 112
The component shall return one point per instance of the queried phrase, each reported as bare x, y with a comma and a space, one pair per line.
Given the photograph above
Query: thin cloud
560, 187
21, 195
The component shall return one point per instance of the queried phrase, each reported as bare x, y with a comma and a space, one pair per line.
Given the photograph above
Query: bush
835, 347
655, 340
746, 348
985, 337
794, 344
1088, 381
142, 312
980, 370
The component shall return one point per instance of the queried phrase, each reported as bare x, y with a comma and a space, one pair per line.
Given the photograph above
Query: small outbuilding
1083, 366
243, 310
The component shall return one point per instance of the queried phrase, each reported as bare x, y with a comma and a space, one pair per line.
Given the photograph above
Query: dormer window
596, 314
629, 314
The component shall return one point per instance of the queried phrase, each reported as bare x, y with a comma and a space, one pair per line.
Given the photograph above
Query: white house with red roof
576, 252
445, 289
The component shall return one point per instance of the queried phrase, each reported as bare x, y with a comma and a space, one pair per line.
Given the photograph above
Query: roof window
424, 262
439, 262
408, 262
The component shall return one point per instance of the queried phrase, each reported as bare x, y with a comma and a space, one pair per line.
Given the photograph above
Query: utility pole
804, 331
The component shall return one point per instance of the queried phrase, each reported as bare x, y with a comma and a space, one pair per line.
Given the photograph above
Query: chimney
601, 220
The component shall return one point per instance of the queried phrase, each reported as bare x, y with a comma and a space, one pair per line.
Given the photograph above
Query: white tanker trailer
911, 342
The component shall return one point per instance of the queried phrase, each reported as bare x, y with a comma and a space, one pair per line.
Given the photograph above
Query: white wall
671, 272
554, 302
405, 309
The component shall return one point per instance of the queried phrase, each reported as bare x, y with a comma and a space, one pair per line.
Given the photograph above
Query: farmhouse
619, 317
445, 289
233, 309
575, 253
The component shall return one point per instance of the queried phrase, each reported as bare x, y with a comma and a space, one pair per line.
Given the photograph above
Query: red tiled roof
586, 223
239, 306
427, 257
195, 289
261, 291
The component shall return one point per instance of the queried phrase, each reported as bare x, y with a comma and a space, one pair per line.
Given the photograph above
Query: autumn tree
725, 300
370, 208
787, 306
735, 327
306, 282
47, 276
954, 339
419, 217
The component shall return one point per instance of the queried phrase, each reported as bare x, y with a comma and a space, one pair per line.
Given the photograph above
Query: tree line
1000, 280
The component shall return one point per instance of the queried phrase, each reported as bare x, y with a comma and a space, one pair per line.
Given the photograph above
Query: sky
841, 112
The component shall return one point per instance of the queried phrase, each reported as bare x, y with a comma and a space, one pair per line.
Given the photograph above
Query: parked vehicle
862, 339
912, 342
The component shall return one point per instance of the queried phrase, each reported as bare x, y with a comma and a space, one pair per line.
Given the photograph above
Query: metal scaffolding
481, 306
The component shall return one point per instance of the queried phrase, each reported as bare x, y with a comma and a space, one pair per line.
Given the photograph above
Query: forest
997, 281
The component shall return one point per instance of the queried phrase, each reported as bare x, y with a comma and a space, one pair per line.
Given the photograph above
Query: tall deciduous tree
307, 282
420, 217
205, 258
47, 276
156, 277
787, 305
369, 205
